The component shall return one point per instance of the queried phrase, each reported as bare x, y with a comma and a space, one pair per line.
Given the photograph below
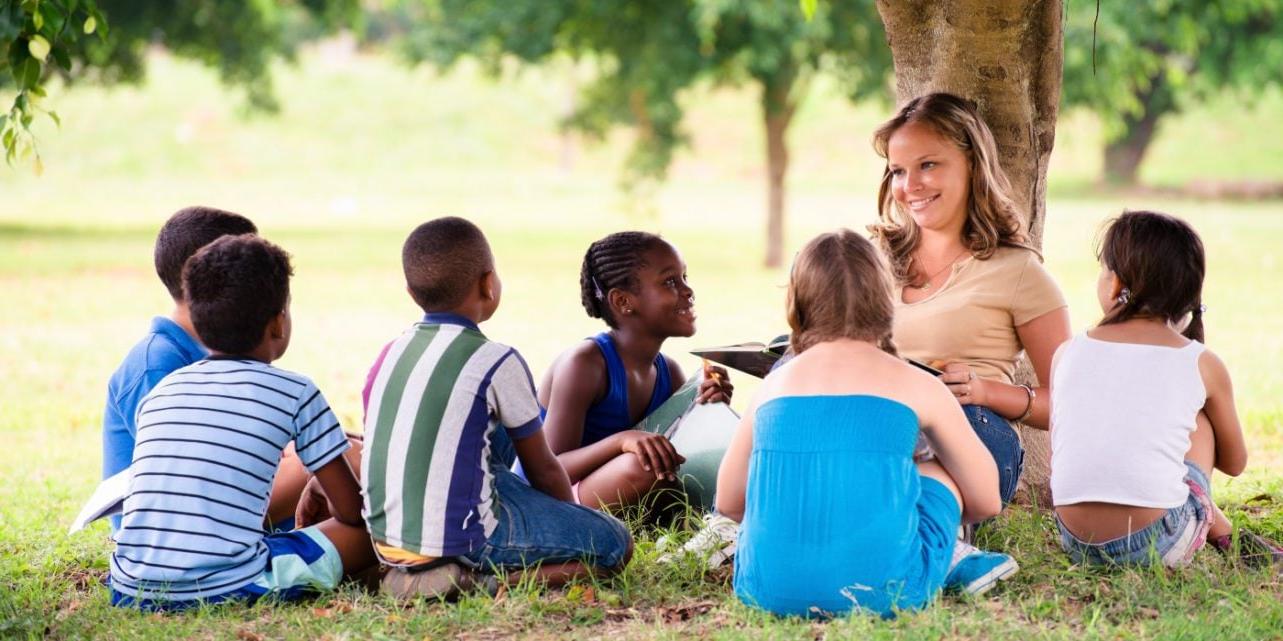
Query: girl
1142, 411
970, 293
597, 390
835, 513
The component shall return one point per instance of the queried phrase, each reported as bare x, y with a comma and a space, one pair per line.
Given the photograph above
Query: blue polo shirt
165, 348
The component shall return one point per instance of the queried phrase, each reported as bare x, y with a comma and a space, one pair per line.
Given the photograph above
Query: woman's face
930, 178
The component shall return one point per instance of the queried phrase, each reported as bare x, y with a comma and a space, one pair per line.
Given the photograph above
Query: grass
364, 150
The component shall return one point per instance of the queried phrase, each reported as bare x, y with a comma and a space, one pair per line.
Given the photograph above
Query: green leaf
53, 115
808, 8
38, 19
90, 25
60, 56
27, 73
39, 47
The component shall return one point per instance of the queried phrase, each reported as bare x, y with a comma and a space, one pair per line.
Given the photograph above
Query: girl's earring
1124, 296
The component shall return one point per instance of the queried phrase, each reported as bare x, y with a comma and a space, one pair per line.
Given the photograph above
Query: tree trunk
1124, 155
1007, 57
778, 107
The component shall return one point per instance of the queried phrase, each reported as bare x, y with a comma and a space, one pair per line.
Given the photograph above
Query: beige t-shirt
972, 318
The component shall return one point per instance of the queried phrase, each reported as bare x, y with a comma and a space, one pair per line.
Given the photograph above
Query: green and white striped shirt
437, 393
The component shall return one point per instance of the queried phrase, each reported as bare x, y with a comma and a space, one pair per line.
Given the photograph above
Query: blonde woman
970, 293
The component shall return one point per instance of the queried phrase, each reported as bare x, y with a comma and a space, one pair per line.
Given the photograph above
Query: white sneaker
714, 542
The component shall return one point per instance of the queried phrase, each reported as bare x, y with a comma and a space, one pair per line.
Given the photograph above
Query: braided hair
612, 263
1160, 261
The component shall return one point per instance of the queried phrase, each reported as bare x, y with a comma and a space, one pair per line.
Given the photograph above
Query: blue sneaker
974, 571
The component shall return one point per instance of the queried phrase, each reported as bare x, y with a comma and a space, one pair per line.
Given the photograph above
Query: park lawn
340, 189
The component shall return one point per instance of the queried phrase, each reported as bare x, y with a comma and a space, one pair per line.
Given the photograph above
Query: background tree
72, 39
1007, 57
646, 53
1141, 61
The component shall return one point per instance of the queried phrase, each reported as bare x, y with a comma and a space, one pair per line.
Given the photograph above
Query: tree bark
779, 104
778, 107
1007, 57
1124, 155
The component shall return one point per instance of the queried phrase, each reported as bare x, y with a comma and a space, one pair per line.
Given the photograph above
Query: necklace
926, 285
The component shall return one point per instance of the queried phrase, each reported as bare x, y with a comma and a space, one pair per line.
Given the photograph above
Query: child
1142, 411
437, 493
596, 391
171, 343
210, 438
835, 514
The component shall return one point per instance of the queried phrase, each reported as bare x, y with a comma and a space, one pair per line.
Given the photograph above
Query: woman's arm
1040, 338
1231, 449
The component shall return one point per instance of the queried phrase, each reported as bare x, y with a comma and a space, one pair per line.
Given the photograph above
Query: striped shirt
210, 438
438, 392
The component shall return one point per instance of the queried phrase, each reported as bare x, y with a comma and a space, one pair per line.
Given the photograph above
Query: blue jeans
1172, 539
1000, 438
535, 528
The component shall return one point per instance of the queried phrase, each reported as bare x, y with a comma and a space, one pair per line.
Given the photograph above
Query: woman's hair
992, 219
839, 287
1160, 262
610, 263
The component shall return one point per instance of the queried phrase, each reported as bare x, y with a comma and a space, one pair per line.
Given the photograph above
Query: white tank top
1121, 419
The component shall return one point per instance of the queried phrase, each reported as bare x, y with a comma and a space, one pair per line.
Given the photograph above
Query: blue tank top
832, 520
610, 415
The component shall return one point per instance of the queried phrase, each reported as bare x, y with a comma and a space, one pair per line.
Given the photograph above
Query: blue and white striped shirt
210, 438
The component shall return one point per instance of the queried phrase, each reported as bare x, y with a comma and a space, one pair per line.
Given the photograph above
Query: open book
699, 432
756, 359
108, 499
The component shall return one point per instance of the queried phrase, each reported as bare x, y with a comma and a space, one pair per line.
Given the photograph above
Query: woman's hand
716, 386
966, 387
655, 452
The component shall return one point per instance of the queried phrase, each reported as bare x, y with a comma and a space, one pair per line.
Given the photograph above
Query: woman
971, 293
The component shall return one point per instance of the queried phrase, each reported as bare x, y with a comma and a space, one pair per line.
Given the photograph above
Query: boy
170, 344
444, 402
209, 442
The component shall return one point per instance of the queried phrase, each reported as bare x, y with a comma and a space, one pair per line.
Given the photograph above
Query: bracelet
1029, 407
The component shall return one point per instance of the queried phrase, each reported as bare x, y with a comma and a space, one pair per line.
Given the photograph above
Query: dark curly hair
1160, 260
235, 286
188, 230
442, 259
612, 263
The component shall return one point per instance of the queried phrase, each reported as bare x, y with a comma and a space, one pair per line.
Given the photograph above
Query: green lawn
364, 150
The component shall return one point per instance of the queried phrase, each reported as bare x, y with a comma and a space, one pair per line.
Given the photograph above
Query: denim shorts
1174, 537
536, 528
1003, 443
299, 564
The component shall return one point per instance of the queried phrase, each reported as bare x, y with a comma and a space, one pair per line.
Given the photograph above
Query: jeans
1000, 438
536, 528
1172, 539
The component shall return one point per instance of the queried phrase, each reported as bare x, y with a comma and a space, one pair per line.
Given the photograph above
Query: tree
647, 53
1007, 57
1134, 63
71, 39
